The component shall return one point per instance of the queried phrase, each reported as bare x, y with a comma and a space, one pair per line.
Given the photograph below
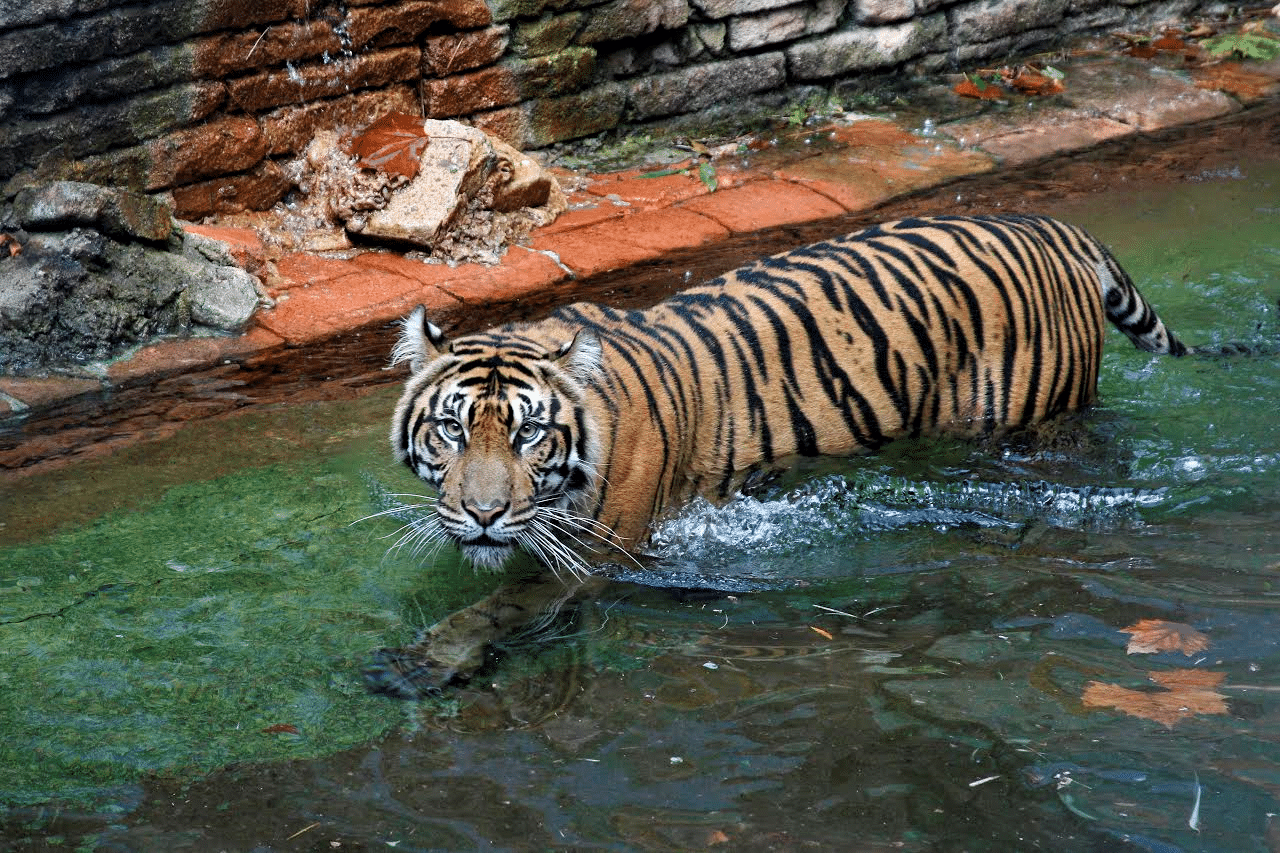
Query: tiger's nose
486, 515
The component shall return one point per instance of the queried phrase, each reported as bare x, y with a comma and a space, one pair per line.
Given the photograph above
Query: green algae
226, 620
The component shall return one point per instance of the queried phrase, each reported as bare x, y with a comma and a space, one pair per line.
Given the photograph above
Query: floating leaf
973, 86
1185, 693
1151, 636
393, 143
1031, 82
281, 728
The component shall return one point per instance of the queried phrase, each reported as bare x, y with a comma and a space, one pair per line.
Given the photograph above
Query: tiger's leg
455, 647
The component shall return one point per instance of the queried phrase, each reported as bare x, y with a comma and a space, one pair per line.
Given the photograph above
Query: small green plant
1245, 45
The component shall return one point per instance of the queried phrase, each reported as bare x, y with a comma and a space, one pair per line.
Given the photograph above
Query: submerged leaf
1151, 636
1186, 693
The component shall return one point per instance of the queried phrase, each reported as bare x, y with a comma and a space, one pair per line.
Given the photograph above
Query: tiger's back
934, 325
957, 325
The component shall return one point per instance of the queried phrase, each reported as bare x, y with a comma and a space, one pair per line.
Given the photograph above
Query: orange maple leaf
1186, 693
393, 143
1150, 636
970, 89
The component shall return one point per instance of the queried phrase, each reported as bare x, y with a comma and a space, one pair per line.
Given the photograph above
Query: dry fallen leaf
281, 728
970, 89
818, 630
1185, 693
393, 143
1028, 81
1151, 636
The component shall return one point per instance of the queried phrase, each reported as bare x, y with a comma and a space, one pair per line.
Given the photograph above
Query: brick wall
204, 99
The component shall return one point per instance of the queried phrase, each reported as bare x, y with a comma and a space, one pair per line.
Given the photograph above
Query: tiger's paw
406, 674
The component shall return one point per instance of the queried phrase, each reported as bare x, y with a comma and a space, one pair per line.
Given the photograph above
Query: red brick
583, 217
289, 130
764, 204
216, 148
403, 22
463, 94
268, 89
450, 54
256, 190
300, 270
227, 53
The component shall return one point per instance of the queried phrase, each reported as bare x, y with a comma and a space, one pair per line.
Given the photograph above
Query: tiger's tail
1132, 314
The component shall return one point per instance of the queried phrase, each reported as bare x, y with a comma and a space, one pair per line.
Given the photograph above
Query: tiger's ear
581, 357
419, 342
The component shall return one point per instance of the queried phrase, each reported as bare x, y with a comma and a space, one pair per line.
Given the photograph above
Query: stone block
884, 11
219, 147
288, 130
220, 55
297, 85
463, 94
987, 20
748, 32
222, 298
864, 48
727, 8
700, 86
457, 52
255, 190
627, 18
124, 215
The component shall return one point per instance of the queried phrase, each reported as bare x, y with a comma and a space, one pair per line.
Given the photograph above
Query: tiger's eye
529, 431
450, 429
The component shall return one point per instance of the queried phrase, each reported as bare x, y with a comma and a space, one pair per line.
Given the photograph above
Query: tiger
569, 436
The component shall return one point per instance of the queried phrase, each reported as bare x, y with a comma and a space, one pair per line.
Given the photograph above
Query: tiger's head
496, 424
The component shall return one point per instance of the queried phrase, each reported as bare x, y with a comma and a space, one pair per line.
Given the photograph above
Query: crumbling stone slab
1144, 96
1023, 138
453, 166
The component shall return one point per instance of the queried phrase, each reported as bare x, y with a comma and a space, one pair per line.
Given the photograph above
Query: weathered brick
288, 130
547, 34
227, 53
91, 129
987, 20
129, 29
574, 116
700, 86
748, 32
215, 148
403, 22
477, 91
269, 89
556, 74
864, 48
110, 78
256, 190
625, 18
456, 52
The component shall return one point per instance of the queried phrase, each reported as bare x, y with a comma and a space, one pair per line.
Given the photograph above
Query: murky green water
951, 672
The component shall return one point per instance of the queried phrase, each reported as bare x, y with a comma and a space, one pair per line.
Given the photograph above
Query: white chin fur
490, 557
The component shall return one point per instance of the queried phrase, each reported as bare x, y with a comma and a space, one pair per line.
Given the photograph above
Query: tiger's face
495, 423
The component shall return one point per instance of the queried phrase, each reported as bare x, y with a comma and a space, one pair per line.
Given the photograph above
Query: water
925, 649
